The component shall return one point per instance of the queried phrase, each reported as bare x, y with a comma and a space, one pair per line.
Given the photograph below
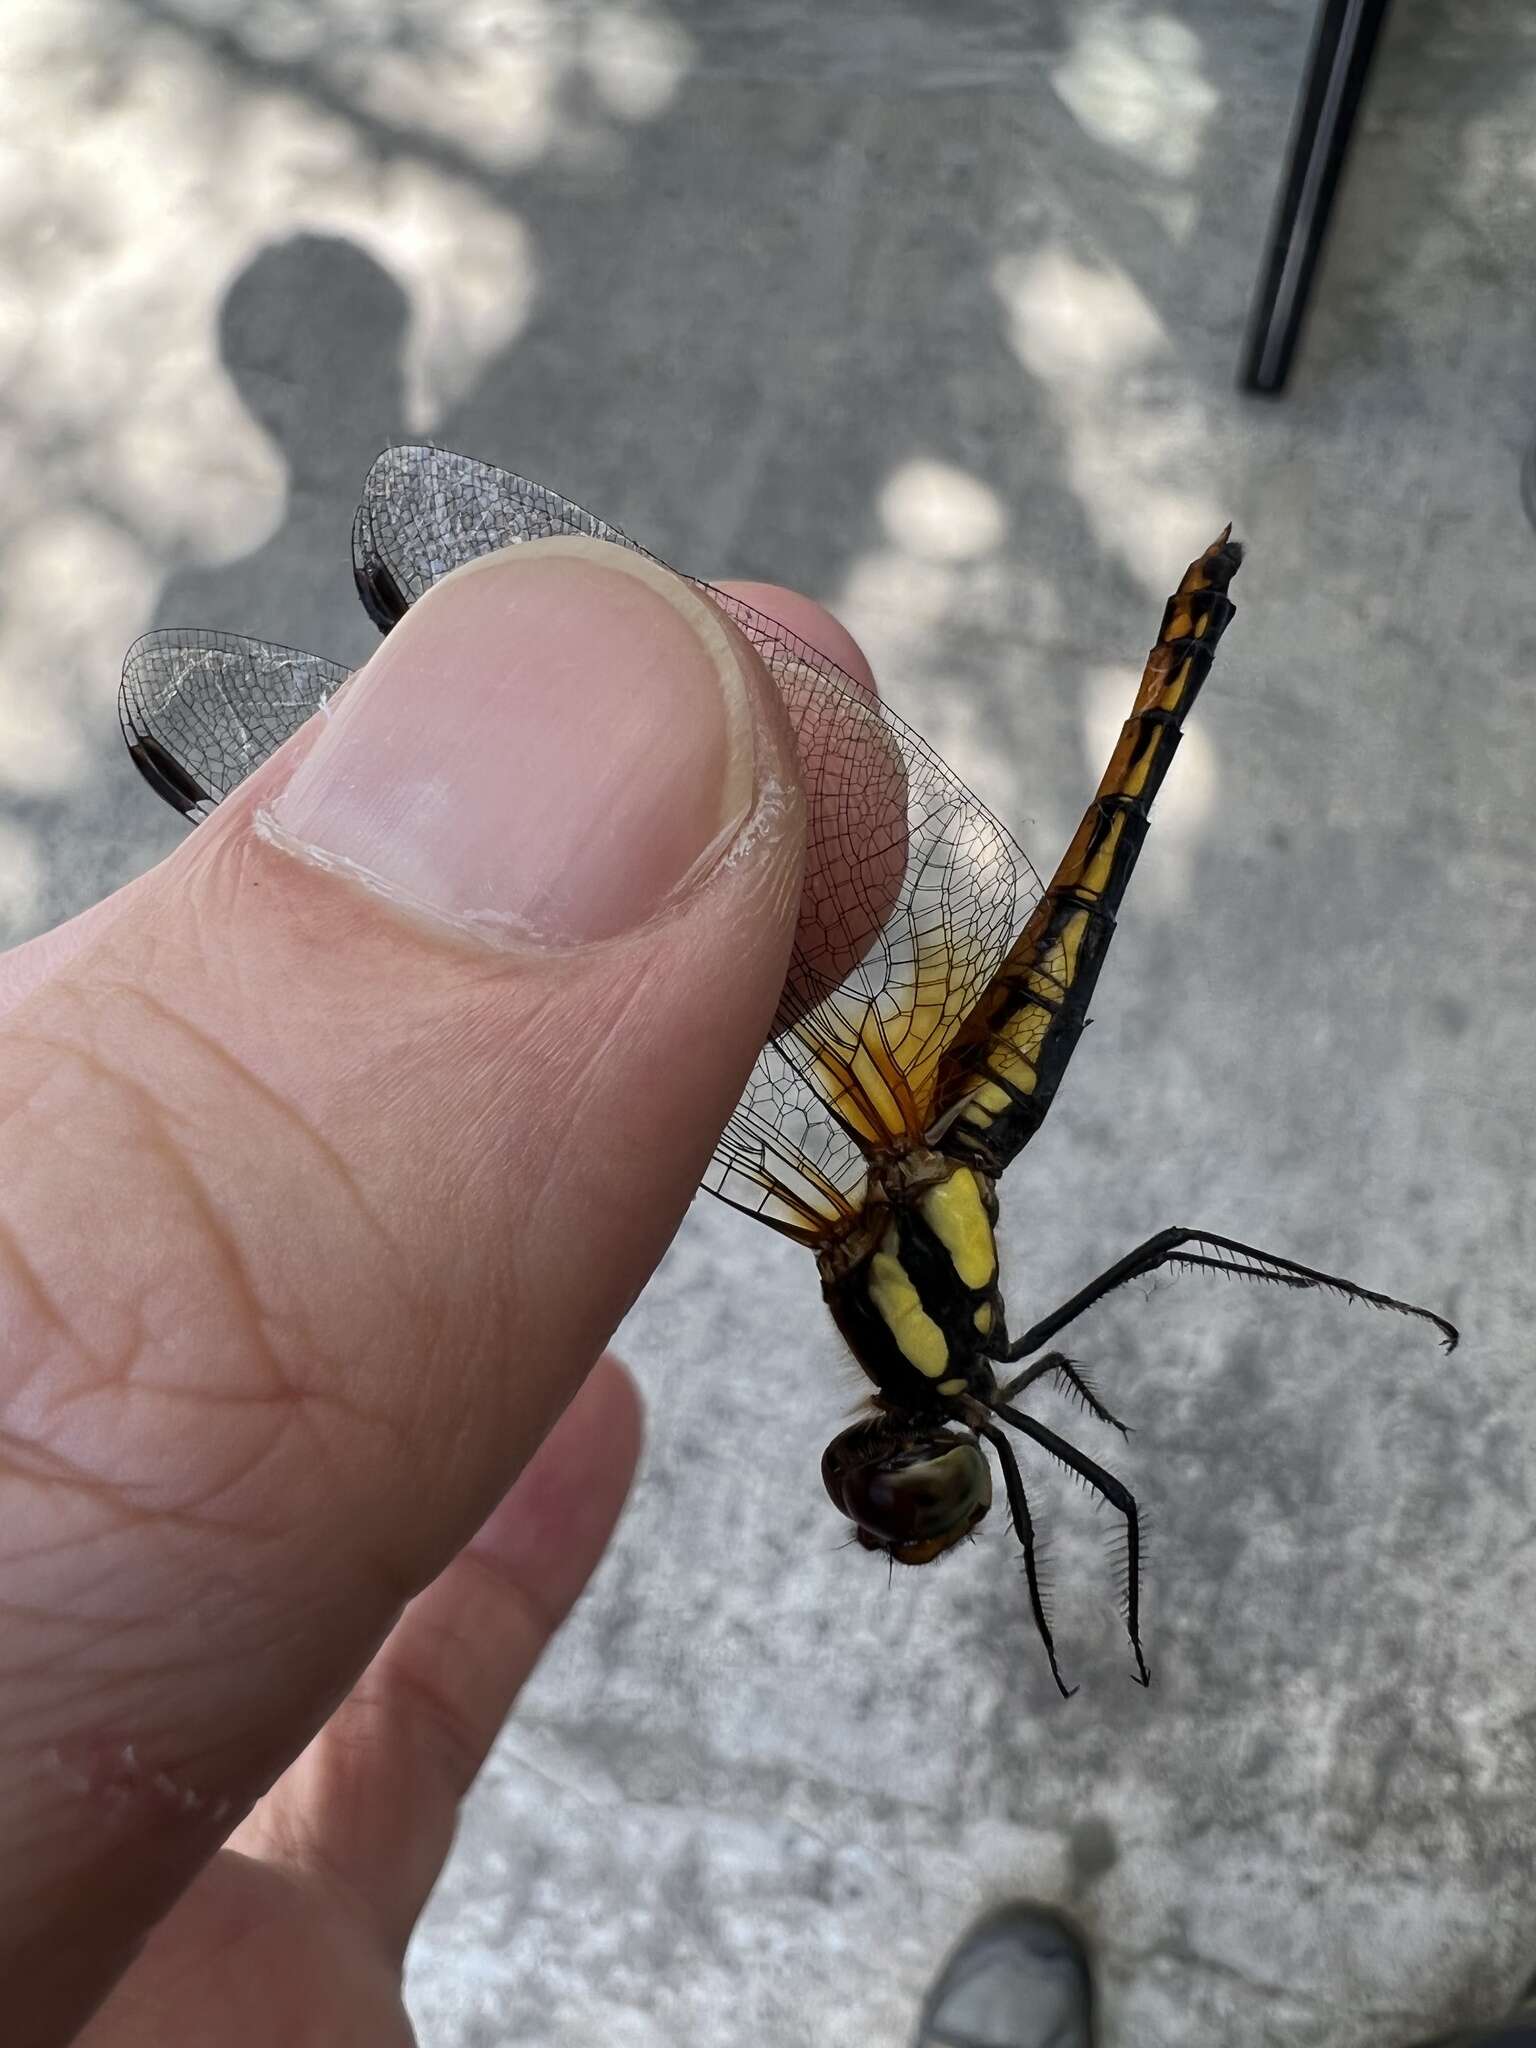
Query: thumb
327, 1167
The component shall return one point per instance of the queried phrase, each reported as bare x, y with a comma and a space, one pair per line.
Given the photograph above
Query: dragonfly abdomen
1011, 1054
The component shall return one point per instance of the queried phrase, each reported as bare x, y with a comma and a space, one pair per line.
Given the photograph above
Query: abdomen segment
1006, 1063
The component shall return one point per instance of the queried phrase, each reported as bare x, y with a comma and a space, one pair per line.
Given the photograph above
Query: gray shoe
1019, 1979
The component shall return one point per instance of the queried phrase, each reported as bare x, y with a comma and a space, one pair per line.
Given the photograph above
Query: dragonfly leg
1109, 1488
1024, 1529
1072, 1376
1204, 1250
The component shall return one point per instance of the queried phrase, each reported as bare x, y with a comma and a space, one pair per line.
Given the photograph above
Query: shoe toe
1019, 1979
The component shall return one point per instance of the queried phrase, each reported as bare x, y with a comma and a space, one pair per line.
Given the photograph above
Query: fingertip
611, 1407
810, 622
552, 1528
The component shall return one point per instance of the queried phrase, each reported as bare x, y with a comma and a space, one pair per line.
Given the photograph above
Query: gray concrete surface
933, 310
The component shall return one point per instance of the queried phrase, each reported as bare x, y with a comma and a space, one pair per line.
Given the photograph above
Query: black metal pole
1343, 44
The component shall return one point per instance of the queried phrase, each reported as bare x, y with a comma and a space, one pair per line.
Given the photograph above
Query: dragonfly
935, 994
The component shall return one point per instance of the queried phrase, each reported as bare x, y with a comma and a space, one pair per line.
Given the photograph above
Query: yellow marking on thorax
897, 1303
983, 1319
951, 1386
954, 1213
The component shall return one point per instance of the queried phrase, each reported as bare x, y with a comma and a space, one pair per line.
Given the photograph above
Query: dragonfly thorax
915, 1289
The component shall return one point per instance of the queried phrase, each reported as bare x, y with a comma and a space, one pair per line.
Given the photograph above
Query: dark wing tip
166, 776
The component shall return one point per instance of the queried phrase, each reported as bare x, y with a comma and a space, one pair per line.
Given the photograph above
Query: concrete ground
932, 308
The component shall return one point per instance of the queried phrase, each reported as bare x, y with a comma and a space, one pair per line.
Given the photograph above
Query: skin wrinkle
190, 1512
288, 1114
584, 1179
280, 1384
154, 1124
530, 1085
165, 1665
17, 1453
77, 1539
638, 1001
18, 1275
542, 1620
96, 1628
433, 1709
87, 1675
23, 1096
225, 1063
482, 973
198, 1511
115, 1498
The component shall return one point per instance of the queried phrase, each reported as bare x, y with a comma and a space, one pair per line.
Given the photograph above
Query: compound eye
911, 1495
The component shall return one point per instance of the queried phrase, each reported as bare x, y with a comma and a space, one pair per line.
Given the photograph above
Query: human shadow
311, 333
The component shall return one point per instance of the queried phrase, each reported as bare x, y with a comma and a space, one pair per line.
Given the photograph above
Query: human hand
331, 1153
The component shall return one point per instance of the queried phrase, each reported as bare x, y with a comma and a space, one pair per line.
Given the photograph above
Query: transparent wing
201, 710
426, 511
913, 890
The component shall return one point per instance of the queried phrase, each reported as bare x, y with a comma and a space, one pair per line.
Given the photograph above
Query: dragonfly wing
201, 711
426, 511
913, 891
783, 1159
899, 933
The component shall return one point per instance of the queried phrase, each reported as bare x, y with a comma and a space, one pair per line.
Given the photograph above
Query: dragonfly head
910, 1489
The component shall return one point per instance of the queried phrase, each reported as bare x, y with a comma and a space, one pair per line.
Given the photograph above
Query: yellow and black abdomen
921, 1309
1008, 1058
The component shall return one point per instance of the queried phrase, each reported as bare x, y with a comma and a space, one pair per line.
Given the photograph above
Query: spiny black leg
1050, 1363
1024, 1529
1144, 1259
1058, 1363
1246, 1262
1117, 1495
